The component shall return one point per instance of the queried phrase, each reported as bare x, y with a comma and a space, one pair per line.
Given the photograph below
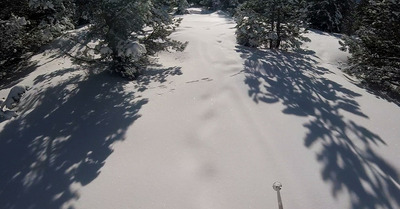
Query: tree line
126, 31
370, 31
130, 30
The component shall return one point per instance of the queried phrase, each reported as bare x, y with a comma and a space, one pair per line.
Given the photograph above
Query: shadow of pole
348, 161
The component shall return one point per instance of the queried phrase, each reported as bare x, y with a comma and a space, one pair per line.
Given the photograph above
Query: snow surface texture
212, 129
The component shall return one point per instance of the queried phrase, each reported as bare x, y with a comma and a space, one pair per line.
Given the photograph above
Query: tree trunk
278, 29
271, 41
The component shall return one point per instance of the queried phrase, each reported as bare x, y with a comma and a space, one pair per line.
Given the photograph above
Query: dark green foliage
331, 15
27, 25
16, 7
182, 6
271, 23
228, 5
375, 47
128, 31
84, 11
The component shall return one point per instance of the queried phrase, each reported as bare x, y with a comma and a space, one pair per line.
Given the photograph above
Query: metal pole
277, 186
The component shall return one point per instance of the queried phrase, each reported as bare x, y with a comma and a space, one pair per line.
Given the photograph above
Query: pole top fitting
277, 186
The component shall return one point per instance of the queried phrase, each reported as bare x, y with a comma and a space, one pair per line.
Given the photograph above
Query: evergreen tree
27, 25
130, 30
331, 15
52, 17
271, 23
375, 47
84, 11
228, 5
194, 2
182, 6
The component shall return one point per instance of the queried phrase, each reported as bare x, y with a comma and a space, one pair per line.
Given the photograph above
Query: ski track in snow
216, 129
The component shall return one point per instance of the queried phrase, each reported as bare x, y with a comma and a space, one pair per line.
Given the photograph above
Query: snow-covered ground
213, 128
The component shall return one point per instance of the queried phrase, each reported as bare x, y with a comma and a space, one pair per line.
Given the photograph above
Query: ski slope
213, 127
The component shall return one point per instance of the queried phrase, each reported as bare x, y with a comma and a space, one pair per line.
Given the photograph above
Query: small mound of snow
134, 49
13, 97
195, 10
220, 12
326, 47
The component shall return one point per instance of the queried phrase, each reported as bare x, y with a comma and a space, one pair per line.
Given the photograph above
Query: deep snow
213, 128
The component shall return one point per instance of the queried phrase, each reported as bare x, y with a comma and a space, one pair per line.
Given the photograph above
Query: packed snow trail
203, 143
214, 128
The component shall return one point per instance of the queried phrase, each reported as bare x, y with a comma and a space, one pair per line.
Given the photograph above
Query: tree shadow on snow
16, 72
24, 66
348, 161
65, 140
156, 74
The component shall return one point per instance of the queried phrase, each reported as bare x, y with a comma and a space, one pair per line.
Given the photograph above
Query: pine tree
182, 6
130, 30
331, 15
227, 5
53, 17
271, 23
375, 47
27, 25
